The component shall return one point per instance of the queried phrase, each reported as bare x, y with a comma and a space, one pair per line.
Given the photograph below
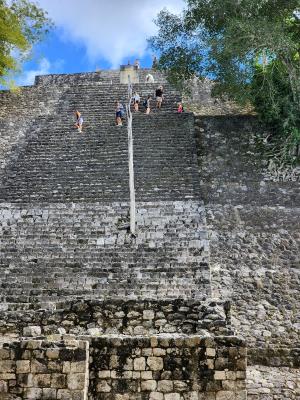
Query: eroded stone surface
254, 236
64, 246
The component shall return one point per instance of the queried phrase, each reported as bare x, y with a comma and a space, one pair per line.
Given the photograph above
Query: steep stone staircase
57, 164
82, 250
64, 195
140, 307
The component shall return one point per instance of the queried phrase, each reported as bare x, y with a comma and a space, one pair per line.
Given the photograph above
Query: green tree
249, 47
22, 24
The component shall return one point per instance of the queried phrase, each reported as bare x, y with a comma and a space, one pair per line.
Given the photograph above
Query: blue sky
91, 34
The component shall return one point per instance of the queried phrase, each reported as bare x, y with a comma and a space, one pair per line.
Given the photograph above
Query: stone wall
98, 77
50, 249
255, 262
264, 383
254, 234
170, 367
167, 368
253, 227
37, 369
199, 100
124, 317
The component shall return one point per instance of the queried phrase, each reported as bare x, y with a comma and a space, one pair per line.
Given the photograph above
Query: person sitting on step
79, 121
180, 108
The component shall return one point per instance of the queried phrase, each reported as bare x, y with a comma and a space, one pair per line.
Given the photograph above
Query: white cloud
27, 78
109, 29
44, 67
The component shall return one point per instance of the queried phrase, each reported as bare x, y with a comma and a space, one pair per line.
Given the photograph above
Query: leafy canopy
251, 48
22, 24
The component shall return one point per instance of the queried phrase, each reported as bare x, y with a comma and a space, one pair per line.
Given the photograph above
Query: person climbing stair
136, 101
79, 121
147, 104
159, 94
120, 113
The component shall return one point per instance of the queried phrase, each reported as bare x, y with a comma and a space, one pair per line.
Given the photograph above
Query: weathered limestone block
65, 394
225, 395
159, 352
210, 352
104, 374
52, 353
172, 396
147, 375
156, 396
49, 394
220, 375
53, 366
42, 380
7, 366
165, 386
149, 385
114, 362
155, 363
38, 367
3, 386
76, 381
79, 366
33, 393
4, 354
32, 331
180, 386
147, 352
104, 387
148, 314
58, 381
193, 395
139, 363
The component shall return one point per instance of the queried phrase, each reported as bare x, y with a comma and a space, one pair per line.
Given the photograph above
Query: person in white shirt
136, 101
79, 121
149, 78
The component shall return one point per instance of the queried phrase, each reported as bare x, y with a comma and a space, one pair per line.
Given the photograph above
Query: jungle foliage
251, 49
22, 24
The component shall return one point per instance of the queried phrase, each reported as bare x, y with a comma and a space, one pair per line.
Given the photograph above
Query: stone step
62, 233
